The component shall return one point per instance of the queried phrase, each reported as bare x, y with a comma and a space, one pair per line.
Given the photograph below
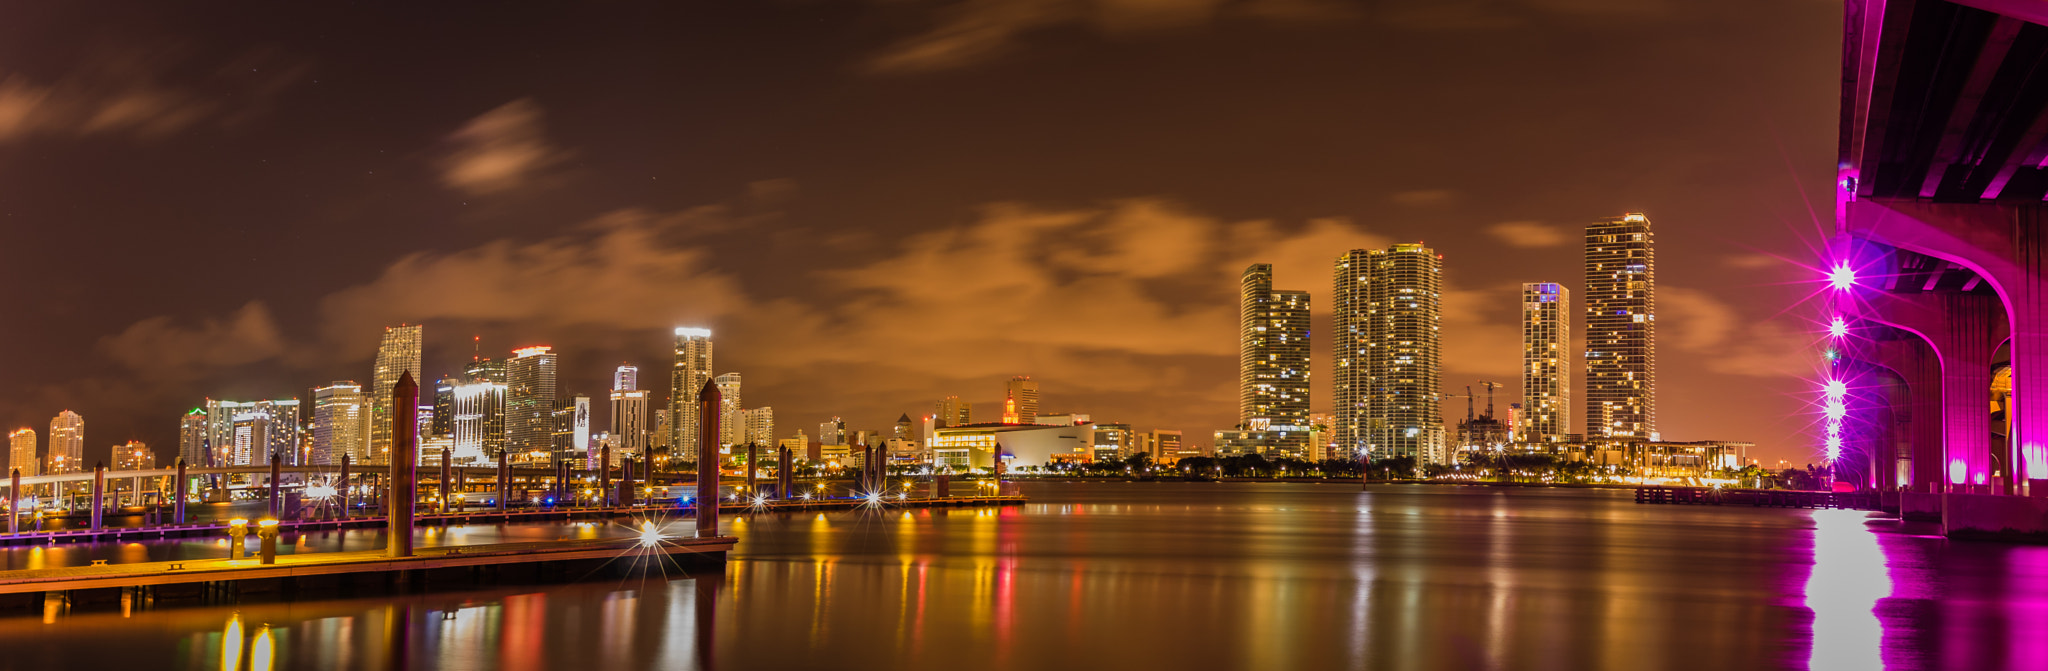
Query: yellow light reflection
231, 643
262, 654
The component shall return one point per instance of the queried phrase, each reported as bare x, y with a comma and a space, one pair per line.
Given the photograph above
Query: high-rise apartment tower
1388, 313
398, 354
1545, 412
692, 369
1621, 330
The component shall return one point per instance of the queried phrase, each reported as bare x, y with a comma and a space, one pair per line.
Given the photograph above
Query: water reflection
1847, 580
1190, 576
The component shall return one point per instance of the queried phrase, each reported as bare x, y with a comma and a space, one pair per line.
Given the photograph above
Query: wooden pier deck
487, 516
331, 563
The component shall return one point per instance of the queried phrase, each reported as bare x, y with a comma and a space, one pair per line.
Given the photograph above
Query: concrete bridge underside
1940, 212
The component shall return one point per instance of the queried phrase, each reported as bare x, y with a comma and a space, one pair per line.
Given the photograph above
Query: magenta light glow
1957, 471
1838, 328
1842, 277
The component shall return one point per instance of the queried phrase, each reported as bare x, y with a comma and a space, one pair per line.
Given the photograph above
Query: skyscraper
441, 422
192, 439
1389, 354
67, 443
530, 402
1273, 367
954, 412
629, 420
692, 369
761, 426
832, 432
340, 414
480, 418
626, 377
397, 355
21, 452
571, 427
1545, 412
132, 456
1022, 394
1621, 330
729, 424
247, 433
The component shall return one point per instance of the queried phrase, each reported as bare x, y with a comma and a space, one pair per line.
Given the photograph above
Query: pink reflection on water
1847, 580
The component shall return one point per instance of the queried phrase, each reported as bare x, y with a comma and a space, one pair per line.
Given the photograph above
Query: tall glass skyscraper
397, 355
1273, 368
1545, 412
530, 403
67, 443
1389, 354
192, 439
21, 452
339, 418
1621, 330
730, 426
692, 369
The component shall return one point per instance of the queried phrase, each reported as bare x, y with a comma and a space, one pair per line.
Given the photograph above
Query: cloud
1751, 261
1704, 328
125, 95
502, 149
161, 349
973, 31
625, 270
1423, 197
1528, 234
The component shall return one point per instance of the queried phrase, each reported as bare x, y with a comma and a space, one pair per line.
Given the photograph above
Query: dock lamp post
238, 528
266, 532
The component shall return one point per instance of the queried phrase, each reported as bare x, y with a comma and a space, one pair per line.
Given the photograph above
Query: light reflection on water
1197, 576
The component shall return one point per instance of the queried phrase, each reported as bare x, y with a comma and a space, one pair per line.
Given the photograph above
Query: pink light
1957, 472
1838, 328
1835, 410
1842, 277
1836, 389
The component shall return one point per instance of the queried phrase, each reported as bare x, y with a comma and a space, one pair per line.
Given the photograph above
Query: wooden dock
487, 516
462, 565
1761, 498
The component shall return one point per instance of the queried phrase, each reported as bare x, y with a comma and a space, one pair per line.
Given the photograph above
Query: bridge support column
2007, 245
404, 453
1959, 329
178, 504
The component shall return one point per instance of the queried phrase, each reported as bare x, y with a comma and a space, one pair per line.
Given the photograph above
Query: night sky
877, 203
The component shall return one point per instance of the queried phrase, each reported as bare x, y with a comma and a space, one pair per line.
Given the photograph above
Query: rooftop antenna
477, 348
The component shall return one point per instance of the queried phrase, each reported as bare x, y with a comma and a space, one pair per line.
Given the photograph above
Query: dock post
178, 506
99, 493
626, 480
604, 477
448, 486
709, 407
266, 542
274, 483
14, 503
753, 468
347, 499
405, 398
504, 481
783, 475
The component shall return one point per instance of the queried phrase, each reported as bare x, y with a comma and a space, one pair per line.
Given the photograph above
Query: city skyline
929, 269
